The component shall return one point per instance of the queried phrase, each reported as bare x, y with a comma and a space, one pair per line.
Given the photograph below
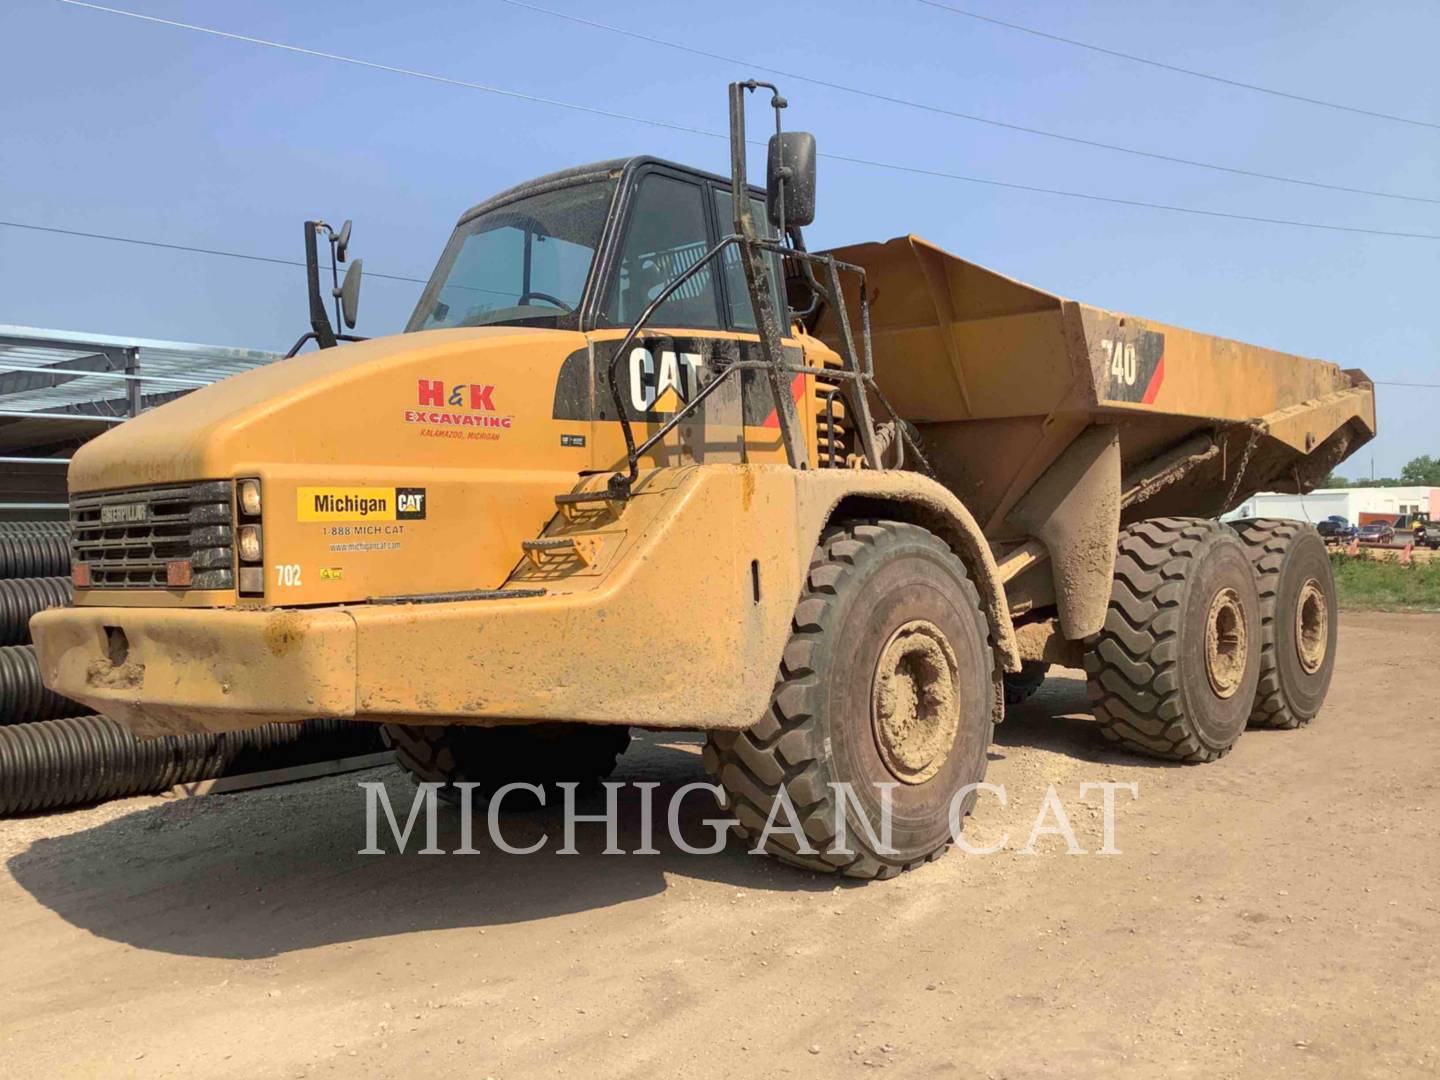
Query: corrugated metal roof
59, 388
160, 365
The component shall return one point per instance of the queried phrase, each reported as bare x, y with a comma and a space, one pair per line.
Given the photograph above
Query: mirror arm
335, 280
320, 326
757, 282
309, 335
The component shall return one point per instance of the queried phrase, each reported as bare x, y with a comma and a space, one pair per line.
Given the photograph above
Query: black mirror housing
349, 293
790, 176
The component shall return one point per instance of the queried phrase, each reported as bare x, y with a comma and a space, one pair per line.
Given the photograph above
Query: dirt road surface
1274, 914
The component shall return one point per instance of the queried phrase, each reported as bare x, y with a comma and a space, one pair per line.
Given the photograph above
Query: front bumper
167, 671
679, 623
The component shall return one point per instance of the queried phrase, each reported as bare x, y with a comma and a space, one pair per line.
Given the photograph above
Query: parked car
1418, 528
1377, 532
1336, 529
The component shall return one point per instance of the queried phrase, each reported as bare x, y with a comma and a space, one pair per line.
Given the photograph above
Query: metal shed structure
59, 388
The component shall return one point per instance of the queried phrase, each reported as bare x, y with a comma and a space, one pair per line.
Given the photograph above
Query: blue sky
122, 127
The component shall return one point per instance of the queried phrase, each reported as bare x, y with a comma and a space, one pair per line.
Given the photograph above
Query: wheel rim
1312, 626
1225, 642
915, 701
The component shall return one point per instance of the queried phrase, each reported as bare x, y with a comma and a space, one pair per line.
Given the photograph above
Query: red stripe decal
797, 388
1155, 381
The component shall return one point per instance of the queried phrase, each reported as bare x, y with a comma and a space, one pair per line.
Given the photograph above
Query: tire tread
786, 748
1267, 540
1132, 665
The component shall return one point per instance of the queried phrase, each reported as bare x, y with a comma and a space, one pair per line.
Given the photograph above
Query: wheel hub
915, 701
1312, 626
1225, 642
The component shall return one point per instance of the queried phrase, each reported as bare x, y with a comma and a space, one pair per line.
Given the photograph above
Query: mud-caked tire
888, 678
1022, 685
1173, 672
1299, 620
540, 754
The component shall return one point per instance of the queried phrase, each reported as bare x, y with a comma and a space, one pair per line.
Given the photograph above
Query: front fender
823, 495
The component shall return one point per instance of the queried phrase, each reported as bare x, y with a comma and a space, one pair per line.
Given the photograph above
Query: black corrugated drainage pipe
8, 527
34, 554
22, 598
23, 697
89, 758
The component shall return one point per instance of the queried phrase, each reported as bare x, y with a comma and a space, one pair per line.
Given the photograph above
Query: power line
502, 91
1114, 200
973, 117
1177, 69
187, 247
595, 111
388, 277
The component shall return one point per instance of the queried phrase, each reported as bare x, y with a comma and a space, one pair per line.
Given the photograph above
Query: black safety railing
856, 372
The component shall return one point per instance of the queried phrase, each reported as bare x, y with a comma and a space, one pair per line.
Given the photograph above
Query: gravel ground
1274, 913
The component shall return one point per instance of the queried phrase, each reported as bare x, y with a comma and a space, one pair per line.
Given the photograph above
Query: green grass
1370, 585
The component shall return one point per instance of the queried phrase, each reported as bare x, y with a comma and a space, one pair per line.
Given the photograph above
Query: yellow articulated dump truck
641, 459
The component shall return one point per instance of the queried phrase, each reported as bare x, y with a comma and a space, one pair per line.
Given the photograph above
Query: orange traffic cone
1354, 548
1405, 554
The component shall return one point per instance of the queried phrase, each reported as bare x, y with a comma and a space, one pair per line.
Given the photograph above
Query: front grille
128, 537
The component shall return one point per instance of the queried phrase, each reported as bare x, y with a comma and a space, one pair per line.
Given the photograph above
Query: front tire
888, 678
1299, 620
1173, 672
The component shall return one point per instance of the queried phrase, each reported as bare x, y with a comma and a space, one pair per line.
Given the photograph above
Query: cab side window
742, 316
666, 235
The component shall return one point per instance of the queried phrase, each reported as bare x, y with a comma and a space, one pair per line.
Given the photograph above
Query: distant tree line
1423, 471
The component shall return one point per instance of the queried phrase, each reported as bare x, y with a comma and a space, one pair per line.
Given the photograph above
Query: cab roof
580, 174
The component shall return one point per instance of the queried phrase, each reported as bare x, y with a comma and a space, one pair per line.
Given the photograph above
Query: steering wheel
546, 297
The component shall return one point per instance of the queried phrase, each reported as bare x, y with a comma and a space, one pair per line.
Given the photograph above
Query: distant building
59, 388
1359, 505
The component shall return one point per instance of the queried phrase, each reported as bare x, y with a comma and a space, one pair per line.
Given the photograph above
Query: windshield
523, 263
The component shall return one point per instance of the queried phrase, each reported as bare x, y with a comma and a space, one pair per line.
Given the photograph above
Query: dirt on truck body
640, 459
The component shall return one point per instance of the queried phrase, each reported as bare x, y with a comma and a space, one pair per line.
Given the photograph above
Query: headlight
250, 498
250, 543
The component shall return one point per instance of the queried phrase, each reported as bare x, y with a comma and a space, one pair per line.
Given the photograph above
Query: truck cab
602, 404
361, 473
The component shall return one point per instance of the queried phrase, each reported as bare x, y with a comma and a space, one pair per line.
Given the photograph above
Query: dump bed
1002, 377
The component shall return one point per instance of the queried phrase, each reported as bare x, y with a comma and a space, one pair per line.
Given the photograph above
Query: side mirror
342, 241
349, 292
790, 168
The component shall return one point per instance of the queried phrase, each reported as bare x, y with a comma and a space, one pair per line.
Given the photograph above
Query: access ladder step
583, 548
572, 502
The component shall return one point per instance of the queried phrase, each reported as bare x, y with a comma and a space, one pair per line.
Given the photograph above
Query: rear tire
1173, 672
1298, 610
888, 678
541, 754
